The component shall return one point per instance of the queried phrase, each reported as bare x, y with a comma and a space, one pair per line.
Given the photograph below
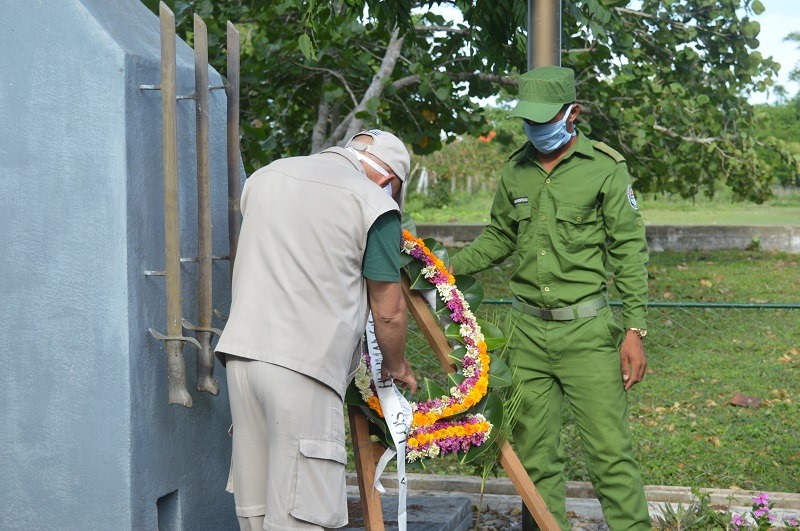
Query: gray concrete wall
662, 237
87, 439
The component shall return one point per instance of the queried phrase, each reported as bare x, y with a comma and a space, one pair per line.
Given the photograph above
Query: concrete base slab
424, 513
501, 496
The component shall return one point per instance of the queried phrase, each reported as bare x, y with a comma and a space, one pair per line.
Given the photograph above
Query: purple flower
737, 520
761, 500
761, 511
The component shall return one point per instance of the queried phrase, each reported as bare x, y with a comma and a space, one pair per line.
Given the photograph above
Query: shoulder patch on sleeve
632, 198
604, 148
518, 153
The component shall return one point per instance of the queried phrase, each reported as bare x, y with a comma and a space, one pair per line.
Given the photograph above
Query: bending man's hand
402, 375
389, 313
633, 359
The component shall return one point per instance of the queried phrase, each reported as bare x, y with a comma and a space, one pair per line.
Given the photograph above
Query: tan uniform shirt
299, 296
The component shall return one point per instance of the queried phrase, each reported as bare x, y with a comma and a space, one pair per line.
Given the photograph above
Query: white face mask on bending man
389, 150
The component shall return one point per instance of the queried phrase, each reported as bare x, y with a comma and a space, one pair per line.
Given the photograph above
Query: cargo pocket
320, 496
577, 227
615, 332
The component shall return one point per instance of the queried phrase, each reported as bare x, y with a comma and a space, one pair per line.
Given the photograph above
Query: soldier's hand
633, 359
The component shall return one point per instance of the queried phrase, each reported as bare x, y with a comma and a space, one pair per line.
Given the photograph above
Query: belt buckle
546, 314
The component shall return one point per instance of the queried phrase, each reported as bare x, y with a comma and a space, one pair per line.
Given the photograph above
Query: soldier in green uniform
566, 211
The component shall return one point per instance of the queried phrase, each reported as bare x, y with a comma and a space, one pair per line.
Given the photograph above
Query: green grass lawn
704, 212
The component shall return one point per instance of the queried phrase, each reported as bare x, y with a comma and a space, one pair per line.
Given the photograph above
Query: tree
794, 37
779, 140
666, 82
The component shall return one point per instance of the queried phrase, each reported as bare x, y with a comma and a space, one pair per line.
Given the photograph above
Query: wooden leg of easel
365, 469
508, 457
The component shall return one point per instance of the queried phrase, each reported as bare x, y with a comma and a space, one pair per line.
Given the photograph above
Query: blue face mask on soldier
547, 138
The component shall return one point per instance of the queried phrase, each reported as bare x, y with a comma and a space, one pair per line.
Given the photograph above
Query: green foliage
778, 140
794, 75
666, 85
664, 82
699, 514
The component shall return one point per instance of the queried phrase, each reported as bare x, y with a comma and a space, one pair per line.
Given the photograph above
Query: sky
780, 17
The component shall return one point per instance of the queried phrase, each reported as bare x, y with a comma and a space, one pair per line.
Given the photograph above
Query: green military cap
543, 91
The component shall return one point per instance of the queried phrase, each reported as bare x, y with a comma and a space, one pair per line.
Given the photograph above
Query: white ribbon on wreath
398, 415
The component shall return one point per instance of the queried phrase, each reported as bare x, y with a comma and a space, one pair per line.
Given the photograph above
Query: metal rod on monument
234, 177
203, 331
508, 458
544, 33
176, 368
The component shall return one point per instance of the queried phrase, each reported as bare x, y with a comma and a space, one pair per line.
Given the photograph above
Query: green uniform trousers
578, 359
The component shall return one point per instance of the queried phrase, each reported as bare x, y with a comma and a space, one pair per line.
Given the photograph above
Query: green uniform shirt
382, 254
563, 228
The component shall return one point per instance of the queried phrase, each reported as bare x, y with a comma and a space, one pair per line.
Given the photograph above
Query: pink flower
761, 500
737, 520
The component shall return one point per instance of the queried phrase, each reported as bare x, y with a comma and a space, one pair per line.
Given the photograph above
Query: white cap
387, 148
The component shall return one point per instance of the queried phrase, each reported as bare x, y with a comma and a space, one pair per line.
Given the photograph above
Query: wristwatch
641, 332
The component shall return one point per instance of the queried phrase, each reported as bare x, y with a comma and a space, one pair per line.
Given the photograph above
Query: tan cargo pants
288, 462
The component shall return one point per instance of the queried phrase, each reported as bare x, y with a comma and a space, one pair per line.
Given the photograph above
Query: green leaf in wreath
415, 267
407, 223
378, 427
452, 332
456, 378
471, 289
414, 270
438, 250
490, 407
431, 389
352, 396
405, 259
492, 335
457, 355
419, 465
499, 373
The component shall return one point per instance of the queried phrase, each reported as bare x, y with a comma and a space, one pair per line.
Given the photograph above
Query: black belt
568, 313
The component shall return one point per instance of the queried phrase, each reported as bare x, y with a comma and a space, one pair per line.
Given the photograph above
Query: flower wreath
462, 421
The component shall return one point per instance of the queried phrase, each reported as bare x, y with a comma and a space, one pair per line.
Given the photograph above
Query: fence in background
721, 329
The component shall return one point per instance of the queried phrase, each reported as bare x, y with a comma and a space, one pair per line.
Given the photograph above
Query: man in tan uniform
319, 247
